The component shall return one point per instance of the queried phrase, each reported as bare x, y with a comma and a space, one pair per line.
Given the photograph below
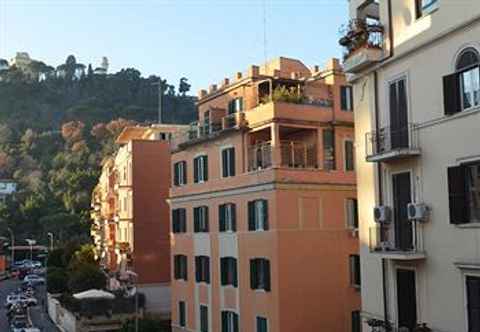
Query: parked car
34, 279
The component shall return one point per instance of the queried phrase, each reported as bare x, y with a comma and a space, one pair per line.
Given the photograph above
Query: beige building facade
414, 66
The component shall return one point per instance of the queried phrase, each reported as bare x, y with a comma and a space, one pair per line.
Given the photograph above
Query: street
38, 313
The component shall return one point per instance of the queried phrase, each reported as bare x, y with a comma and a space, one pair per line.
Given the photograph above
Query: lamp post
31, 243
50, 236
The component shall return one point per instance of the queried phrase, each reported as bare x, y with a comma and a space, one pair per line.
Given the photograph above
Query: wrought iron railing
292, 154
260, 156
359, 34
388, 139
407, 238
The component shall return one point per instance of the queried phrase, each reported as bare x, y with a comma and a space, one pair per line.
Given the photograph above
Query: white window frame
345, 154
259, 216
185, 312
223, 148
471, 72
349, 216
181, 172
230, 320
201, 166
229, 217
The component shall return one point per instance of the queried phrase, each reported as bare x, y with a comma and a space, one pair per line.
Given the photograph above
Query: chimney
212, 88
238, 76
334, 64
225, 81
294, 75
276, 73
316, 68
202, 93
253, 71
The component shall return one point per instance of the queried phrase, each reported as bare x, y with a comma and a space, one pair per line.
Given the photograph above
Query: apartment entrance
406, 299
398, 115
401, 198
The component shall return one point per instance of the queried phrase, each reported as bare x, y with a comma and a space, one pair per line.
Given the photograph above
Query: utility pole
12, 244
161, 89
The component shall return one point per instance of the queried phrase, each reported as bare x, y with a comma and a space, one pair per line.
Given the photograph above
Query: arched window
468, 58
468, 69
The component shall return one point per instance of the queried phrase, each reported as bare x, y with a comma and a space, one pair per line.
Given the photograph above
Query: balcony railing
388, 143
402, 243
204, 130
360, 34
291, 154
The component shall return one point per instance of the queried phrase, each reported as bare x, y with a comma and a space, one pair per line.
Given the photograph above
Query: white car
34, 279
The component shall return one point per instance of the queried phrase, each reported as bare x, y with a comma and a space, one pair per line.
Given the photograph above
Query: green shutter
253, 274
195, 169
205, 168
231, 157
235, 272
457, 194
221, 218
251, 215
234, 217
266, 268
265, 214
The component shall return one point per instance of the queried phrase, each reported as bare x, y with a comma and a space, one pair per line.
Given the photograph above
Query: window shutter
234, 217
224, 322
224, 163
184, 174
196, 220
451, 94
205, 168
176, 174
265, 214
457, 194
195, 169
197, 269
240, 104
235, 276
251, 215
185, 268
473, 302
343, 98
221, 217
253, 274
207, 269
266, 267
349, 166
355, 213
223, 271
235, 322
205, 215
351, 98
231, 164
176, 268
183, 220
175, 221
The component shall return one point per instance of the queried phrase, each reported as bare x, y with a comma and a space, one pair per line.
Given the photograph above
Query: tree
70, 66
146, 325
183, 87
90, 71
57, 280
6, 134
85, 277
83, 256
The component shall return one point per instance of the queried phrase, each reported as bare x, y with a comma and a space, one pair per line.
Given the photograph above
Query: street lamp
50, 236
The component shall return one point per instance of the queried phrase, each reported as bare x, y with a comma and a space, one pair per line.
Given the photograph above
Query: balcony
363, 43
289, 154
198, 132
388, 144
398, 243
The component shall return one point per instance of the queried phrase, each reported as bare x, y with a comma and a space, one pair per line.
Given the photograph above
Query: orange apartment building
264, 207
131, 228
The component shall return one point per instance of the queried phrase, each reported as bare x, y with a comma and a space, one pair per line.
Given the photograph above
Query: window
461, 90
228, 162
262, 324
464, 193
355, 279
227, 217
202, 269
473, 302
356, 321
200, 219
260, 274
229, 321
182, 318
235, 105
349, 156
179, 220
425, 7
346, 98
258, 215
352, 213
328, 149
228, 271
200, 169
180, 267
180, 173
203, 318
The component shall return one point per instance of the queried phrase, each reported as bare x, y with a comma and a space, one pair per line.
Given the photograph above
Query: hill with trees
56, 127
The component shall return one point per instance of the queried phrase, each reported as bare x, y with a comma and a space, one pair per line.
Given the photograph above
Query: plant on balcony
359, 34
285, 94
379, 325
422, 328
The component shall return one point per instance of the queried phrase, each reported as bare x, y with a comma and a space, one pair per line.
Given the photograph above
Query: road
38, 314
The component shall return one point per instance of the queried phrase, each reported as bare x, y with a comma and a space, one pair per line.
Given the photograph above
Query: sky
203, 40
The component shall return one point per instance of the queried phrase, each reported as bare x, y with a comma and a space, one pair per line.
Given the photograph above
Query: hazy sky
204, 40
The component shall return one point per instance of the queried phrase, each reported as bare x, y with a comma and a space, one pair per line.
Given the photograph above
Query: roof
138, 132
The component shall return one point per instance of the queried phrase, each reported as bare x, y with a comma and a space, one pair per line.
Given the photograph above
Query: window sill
229, 287
261, 291
468, 225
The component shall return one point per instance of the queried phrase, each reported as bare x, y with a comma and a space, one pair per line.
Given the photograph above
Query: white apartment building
414, 67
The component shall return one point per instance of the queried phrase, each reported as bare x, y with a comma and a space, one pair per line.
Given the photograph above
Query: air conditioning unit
382, 214
417, 211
